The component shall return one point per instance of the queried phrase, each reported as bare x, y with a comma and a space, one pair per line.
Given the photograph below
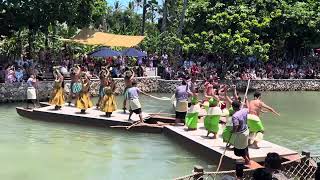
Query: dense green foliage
260, 28
266, 29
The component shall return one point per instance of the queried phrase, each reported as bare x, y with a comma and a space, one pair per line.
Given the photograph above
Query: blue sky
122, 2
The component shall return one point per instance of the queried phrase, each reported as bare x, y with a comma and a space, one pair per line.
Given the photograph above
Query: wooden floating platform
196, 141
212, 149
93, 117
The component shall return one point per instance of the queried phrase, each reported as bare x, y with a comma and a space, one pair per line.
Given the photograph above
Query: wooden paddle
161, 99
246, 93
220, 162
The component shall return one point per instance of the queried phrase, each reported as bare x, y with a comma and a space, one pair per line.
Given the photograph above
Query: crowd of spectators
202, 67
242, 69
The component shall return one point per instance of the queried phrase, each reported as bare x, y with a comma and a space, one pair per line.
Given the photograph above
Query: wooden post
239, 169
306, 161
317, 174
200, 172
307, 154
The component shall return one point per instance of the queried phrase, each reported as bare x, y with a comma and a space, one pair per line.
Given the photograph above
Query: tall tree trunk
144, 16
165, 16
30, 42
152, 14
185, 4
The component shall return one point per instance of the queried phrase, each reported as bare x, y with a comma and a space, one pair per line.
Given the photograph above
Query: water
36, 150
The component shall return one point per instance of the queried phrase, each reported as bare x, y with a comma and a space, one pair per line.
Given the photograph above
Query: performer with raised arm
108, 103
103, 76
57, 96
181, 95
192, 116
76, 84
83, 101
254, 122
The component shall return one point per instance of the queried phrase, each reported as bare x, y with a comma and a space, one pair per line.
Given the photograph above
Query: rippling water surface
35, 150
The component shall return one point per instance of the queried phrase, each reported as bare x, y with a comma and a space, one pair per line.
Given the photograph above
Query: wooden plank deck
214, 148
93, 117
92, 113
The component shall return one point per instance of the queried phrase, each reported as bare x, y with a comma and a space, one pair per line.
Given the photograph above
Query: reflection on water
39, 150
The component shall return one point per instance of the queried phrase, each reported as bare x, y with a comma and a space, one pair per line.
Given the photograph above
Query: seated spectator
262, 174
273, 165
19, 74
11, 75
140, 71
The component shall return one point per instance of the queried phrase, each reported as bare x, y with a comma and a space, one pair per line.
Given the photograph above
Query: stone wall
17, 91
168, 86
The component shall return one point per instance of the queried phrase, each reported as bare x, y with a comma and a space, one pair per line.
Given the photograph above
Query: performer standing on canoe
108, 103
192, 116
83, 101
182, 94
76, 85
31, 91
103, 76
212, 119
240, 131
57, 97
208, 93
132, 96
128, 79
255, 124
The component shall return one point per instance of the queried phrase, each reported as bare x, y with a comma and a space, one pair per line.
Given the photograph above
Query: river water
36, 150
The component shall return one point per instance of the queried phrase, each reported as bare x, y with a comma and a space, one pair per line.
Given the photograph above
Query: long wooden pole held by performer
246, 93
220, 162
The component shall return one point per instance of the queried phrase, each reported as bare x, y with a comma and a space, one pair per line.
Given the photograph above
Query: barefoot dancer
192, 116
57, 97
103, 76
208, 93
76, 85
83, 101
182, 94
108, 103
31, 91
240, 131
255, 124
212, 119
132, 96
128, 78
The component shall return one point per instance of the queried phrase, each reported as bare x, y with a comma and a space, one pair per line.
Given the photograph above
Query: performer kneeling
192, 116
212, 119
108, 103
83, 101
57, 96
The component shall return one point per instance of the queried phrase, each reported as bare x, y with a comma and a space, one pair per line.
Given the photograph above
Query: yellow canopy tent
91, 37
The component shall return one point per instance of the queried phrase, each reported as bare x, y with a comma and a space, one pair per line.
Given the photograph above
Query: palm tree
137, 4
144, 11
164, 16
153, 5
181, 23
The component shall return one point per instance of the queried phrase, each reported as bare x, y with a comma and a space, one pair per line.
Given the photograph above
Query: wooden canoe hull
97, 122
